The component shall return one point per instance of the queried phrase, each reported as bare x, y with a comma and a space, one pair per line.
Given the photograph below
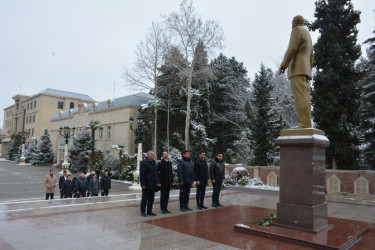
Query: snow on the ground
121, 181
263, 187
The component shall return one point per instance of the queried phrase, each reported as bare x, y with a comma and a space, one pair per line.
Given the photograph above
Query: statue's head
298, 21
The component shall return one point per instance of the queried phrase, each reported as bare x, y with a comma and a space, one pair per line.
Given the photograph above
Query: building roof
67, 94
136, 99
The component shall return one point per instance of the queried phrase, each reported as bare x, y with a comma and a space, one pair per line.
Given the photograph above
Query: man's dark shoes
204, 207
220, 205
163, 212
143, 214
199, 208
214, 205
151, 213
167, 211
188, 209
182, 210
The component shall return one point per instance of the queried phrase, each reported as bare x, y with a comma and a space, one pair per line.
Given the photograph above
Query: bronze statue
299, 60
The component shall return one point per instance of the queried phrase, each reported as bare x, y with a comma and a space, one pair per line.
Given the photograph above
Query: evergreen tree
15, 143
335, 96
265, 126
228, 95
200, 111
45, 150
79, 152
368, 107
32, 154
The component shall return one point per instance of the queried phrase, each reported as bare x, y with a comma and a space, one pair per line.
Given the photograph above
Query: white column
1, 150
66, 164
136, 184
22, 159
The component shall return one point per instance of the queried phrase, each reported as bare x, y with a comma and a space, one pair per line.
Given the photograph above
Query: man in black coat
105, 183
166, 181
89, 178
68, 187
149, 177
201, 178
185, 171
75, 183
217, 174
61, 182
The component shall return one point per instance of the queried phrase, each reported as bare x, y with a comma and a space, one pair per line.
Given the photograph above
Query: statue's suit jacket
299, 57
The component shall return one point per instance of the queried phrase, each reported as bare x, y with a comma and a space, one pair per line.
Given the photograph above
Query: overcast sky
84, 45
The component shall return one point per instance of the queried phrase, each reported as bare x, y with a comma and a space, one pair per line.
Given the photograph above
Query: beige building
33, 113
113, 116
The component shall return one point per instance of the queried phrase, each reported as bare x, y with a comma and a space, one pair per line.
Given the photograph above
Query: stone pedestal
302, 203
136, 185
66, 164
23, 158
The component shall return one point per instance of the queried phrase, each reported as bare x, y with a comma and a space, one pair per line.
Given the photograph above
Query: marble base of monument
302, 203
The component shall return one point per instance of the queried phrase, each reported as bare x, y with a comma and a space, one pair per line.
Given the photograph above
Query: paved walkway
114, 222
27, 182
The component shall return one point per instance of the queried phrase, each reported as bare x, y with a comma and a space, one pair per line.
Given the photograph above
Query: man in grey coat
94, 186
185, 171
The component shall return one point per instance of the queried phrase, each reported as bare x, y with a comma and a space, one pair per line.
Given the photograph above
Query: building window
109, 132
101, 134
32, 133
71, 105
31, 105
34, 118
34, 104
60, 105
28, 106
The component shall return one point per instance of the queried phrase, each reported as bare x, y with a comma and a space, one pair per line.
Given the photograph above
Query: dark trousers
81, 194
48, 195
164, 198
61, 194
148, 196
216, 193
68, 195
201, 191
105, 192
184, 195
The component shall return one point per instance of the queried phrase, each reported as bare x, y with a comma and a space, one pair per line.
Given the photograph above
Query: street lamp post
1, 144
24, 136
139, 134
66, 132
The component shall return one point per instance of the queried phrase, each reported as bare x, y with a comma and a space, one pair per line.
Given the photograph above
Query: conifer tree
265, 125
15, 143
335, 95
79, 152
368, 107
45, 150
32, 154
228, 95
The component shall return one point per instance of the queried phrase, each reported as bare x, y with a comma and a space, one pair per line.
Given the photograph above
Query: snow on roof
136, 99
67, 94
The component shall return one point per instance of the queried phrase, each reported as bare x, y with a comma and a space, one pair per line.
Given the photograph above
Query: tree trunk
154, 140
187, 121
168, 110
92, 148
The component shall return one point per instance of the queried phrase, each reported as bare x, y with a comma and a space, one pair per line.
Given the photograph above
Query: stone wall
358, 182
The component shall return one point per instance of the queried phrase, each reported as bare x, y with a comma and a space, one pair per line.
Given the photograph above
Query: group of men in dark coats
81, 186
155, 176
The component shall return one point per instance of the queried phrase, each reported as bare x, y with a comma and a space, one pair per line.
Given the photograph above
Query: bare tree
187, 30
149, 58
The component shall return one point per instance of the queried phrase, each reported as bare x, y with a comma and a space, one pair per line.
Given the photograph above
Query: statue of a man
299, 60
